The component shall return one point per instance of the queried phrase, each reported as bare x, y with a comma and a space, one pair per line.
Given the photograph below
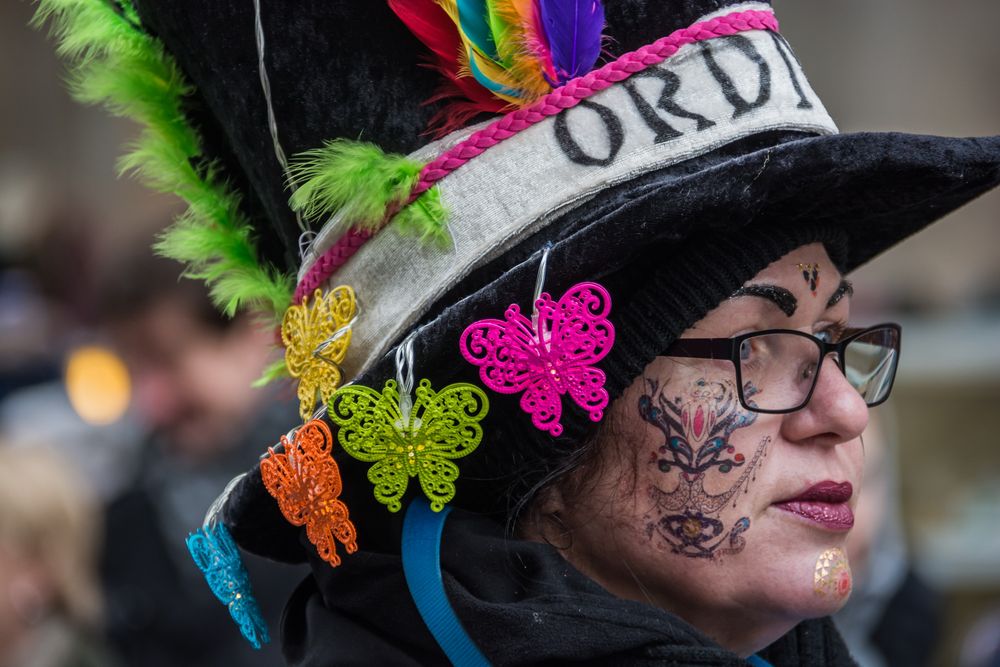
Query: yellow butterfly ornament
316, 337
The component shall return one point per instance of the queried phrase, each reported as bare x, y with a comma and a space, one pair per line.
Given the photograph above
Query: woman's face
706, 529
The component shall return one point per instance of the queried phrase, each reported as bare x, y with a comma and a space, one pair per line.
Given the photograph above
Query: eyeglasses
779, 368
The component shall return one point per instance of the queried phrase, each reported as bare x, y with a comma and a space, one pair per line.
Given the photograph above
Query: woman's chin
807, 573
820, 583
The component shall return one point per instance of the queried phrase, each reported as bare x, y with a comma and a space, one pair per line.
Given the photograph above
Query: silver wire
211, 517
272, 123
337, 335
404, 377
306, 240
543, 265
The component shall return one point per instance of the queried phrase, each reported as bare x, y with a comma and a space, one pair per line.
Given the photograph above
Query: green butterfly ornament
419, 442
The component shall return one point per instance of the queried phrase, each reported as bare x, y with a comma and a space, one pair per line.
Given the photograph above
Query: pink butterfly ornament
552, 354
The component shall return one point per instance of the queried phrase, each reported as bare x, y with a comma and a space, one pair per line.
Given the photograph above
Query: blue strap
422, 530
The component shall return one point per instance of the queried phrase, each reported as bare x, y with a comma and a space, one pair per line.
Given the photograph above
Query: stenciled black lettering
785, 51
572, 148
740, 104
671, 84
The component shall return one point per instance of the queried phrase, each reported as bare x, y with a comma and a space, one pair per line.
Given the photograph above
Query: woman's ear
549, 501
543, 520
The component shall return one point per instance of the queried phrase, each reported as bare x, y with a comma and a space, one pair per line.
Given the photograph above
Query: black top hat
670, 156
723, 133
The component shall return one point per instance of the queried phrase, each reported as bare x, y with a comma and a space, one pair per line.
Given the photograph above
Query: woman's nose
836, 412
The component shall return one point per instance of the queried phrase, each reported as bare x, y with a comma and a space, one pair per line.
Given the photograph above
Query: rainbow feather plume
571, 30
497, 55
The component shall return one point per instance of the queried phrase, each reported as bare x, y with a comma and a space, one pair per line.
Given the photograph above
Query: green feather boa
115, 63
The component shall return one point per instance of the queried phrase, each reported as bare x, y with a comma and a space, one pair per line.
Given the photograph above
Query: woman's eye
754, 352
830, 334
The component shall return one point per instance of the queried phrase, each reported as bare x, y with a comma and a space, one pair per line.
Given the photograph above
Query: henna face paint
811, 274
696, 427
832, 577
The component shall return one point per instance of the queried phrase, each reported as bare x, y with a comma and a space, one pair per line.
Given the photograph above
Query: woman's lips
832, 516
824, 504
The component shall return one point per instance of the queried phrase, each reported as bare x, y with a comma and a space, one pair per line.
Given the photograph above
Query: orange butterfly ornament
305, 480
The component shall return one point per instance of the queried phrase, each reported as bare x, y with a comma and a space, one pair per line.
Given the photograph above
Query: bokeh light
98, 384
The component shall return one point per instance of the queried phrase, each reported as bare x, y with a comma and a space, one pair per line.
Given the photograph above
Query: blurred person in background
192, 371
45, 288
50, 605
47, 319
892, 617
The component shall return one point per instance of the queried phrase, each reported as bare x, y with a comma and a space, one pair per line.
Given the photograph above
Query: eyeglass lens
782, 367
870, 363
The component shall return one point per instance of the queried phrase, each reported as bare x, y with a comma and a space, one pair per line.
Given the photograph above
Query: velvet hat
391, 173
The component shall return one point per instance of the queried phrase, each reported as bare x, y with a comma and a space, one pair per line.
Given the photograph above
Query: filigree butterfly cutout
313, 348
217, 556
305, 480
442, 426
553, 356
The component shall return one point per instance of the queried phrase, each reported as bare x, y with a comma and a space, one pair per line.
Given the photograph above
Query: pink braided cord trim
558, 100
331, 260
589, 84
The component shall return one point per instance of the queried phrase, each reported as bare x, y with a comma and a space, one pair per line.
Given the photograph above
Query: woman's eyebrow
779, 296
846, 288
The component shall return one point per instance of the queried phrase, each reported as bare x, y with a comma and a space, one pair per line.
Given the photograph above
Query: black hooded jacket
521, 602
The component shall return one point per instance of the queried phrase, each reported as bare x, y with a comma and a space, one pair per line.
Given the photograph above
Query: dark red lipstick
824, 504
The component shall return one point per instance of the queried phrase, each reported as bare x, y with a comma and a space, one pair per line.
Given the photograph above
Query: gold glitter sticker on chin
833, 574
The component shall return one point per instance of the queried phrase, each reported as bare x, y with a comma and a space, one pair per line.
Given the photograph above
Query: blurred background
933, 68
95, 365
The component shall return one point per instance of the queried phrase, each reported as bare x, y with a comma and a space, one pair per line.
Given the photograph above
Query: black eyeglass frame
723, 349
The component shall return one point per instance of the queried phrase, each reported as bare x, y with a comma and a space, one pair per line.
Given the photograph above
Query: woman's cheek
696, 475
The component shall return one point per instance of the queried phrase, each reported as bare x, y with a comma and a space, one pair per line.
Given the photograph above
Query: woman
646, 540
596, 345
687, 500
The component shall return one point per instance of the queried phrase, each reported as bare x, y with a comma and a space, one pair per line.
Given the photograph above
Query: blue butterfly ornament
217, 556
